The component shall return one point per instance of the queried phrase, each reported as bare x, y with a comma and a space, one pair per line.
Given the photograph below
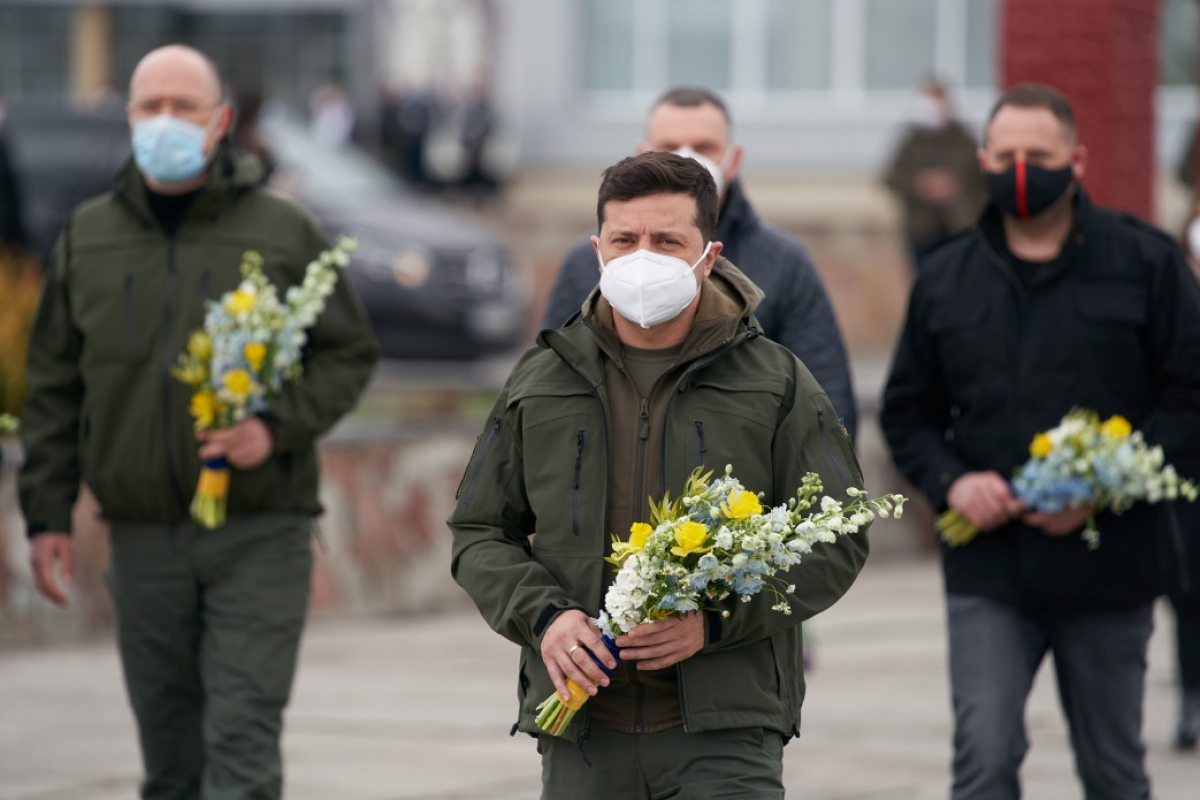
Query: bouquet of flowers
9, 425
249, 346
713, 542
1085, 463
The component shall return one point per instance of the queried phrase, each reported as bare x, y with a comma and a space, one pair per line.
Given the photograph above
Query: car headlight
411, 269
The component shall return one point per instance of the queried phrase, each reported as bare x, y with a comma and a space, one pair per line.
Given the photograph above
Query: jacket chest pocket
726, 426
565, 463
1114, 320
968, 341
119, 315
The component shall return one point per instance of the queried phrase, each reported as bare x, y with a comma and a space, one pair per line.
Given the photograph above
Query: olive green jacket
119, 300
541, 468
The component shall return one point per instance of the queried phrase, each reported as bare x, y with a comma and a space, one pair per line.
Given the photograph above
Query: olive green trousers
208, 629
734, 764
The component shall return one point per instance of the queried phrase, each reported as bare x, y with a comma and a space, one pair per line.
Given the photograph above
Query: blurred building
817, 86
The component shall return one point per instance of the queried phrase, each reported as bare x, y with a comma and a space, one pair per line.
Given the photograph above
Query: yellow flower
204, 407
255, 352
639, 532
1041, 446
1116, 427
238, 382
190, 372
200, 345
741, 505
240, 301
689, 538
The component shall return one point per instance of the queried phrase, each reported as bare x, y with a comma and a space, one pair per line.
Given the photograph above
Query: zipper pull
644, 415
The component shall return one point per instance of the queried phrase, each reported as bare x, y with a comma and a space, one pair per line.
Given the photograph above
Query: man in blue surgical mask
208, 621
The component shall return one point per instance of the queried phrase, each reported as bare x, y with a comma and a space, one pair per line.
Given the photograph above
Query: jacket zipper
639, 471
487, 445
700, 448
168, 427
837, 464
579, 440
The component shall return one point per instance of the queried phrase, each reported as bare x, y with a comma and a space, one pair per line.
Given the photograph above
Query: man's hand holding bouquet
250, 345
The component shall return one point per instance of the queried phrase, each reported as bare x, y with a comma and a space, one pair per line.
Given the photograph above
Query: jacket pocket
968, 341
119, 318
477, 463
580, 439
1114, 316
835, 439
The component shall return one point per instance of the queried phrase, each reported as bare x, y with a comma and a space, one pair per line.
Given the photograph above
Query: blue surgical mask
168, 149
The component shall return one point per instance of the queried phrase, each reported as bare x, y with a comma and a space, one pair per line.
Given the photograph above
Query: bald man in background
208, 621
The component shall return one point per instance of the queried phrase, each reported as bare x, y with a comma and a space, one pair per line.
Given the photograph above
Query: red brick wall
1103, 55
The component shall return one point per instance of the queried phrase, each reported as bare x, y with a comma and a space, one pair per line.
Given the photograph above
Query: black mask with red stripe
1024, 190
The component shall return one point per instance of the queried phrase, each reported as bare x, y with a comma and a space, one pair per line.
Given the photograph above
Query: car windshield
322, 170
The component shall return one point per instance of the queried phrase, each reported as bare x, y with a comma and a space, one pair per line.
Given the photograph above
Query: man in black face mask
1050, 303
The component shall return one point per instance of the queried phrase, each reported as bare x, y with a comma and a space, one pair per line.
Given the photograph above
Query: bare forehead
1025, 125
665, 211
176, 71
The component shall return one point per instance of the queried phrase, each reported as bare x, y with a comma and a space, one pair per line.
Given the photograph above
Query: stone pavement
412, 708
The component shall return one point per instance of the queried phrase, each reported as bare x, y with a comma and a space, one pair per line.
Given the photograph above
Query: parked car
437, 283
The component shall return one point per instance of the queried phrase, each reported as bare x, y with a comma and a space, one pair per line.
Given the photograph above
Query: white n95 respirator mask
649, 288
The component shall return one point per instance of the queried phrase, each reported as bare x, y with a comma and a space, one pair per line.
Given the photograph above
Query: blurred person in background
246, 135
208, 621
12, 230
796, 311
1051, 303
1186, 600
331, 116
934, 173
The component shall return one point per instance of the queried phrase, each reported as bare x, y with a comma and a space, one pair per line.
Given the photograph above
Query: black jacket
987, 359
796, 312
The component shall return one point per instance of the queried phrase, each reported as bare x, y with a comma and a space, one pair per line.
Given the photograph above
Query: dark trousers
743, 763
208, 628
1100, 664
1187, 638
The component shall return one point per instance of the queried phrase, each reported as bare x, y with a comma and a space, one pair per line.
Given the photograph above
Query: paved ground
419, 709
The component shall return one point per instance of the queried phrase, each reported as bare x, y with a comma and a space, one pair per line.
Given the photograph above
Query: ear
1079, 156
710, 260
982, 156
599, 258
735, 166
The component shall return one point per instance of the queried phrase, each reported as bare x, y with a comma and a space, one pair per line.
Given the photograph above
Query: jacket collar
230, 173
990, 229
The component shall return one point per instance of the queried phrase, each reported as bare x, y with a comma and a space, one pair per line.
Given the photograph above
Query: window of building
799, 44
901, 42
32, 42
1179, 28
759, 48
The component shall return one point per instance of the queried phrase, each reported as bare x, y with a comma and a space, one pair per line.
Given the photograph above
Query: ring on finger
572, 650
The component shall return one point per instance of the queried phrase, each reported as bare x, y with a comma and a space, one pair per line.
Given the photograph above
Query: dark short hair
693, 97
661, 173
1036, 95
